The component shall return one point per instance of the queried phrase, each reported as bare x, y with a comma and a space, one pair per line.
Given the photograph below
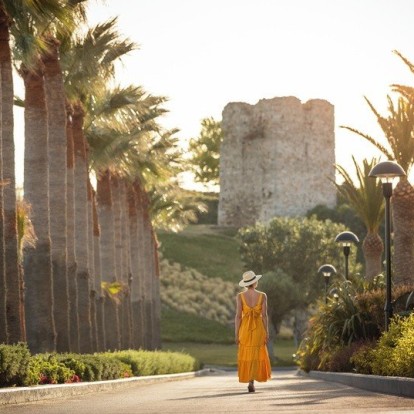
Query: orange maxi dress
252, 359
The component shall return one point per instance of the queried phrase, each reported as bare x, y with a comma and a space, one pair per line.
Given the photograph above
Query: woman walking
251, 332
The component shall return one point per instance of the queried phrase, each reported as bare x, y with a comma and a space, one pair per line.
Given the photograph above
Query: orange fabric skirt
253, 359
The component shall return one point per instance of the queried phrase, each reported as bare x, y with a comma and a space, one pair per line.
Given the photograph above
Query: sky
203, 54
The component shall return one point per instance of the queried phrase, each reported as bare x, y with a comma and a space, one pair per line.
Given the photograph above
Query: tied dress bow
251, 315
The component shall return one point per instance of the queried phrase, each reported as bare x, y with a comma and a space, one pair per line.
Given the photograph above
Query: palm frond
366, 197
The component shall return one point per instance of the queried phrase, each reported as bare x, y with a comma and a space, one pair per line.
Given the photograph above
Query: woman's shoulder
261, 293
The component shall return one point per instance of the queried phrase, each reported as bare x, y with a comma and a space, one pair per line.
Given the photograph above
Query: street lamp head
387, 171
327, 270
346, 238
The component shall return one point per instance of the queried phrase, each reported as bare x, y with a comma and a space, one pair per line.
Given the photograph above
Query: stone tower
276, 159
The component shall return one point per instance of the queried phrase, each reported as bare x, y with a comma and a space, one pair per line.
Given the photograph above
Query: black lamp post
346, 238
387, 171
327, 271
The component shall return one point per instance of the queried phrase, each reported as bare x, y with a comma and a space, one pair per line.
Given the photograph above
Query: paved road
220, 392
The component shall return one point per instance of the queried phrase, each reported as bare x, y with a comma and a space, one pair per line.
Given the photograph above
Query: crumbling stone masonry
276, 159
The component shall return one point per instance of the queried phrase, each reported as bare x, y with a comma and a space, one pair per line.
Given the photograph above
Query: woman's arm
265, 317
237, 319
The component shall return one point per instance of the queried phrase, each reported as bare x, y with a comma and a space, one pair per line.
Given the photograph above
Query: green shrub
46, 369
341, 360
362, 359
371, 303
14, 364
73, 362
96, 367
157, 362
308, 355
336, 326
394, 353
17, 367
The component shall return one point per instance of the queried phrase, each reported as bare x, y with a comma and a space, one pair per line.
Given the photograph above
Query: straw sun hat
249, 278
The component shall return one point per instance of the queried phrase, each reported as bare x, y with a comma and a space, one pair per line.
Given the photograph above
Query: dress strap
242, 298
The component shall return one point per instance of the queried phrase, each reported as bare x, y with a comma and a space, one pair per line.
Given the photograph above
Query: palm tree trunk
3, 289
136, 254
91, 265
373, 248
126, 267
81, 232
71, 259
56, 109
109, 275
41, 335
403, 221
156, 294
147, 258
100, 299
13, 276
116, 209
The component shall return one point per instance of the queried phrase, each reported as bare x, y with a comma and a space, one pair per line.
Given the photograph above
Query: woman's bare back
251, 297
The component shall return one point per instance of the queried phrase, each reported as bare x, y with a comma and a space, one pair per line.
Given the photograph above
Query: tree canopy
205, 152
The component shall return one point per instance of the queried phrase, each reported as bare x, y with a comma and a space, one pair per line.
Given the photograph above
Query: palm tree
126, 274
398, 130
70, 232
33, 40
98, 49
12, 275
91, 266
3, 320
136, 288
100, 299
40, 324
121, 259
83, 276
57, 145
108, 268
404, 90
367, 200
60, 25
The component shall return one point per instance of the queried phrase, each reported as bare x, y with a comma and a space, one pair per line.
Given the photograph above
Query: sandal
251, 387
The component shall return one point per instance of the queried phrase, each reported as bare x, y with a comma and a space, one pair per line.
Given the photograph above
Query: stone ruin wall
276, 159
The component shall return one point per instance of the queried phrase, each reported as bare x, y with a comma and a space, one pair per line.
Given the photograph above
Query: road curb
400, 386
20, 395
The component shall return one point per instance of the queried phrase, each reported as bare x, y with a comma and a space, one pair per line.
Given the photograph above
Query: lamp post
387, 171
327, 271
346, 238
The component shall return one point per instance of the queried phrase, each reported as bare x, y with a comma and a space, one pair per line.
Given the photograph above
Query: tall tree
205, 151
136, 289
57, 156
398, 129
70, 232
88, 64
81, 231
367, 200
33, 38
109, 271
12, 275
61, 24
41, 335
100, 299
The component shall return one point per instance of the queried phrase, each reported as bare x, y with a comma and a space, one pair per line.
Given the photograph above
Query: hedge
19, 368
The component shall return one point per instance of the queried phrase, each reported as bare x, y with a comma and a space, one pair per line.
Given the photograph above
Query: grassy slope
212, 250
183, 327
